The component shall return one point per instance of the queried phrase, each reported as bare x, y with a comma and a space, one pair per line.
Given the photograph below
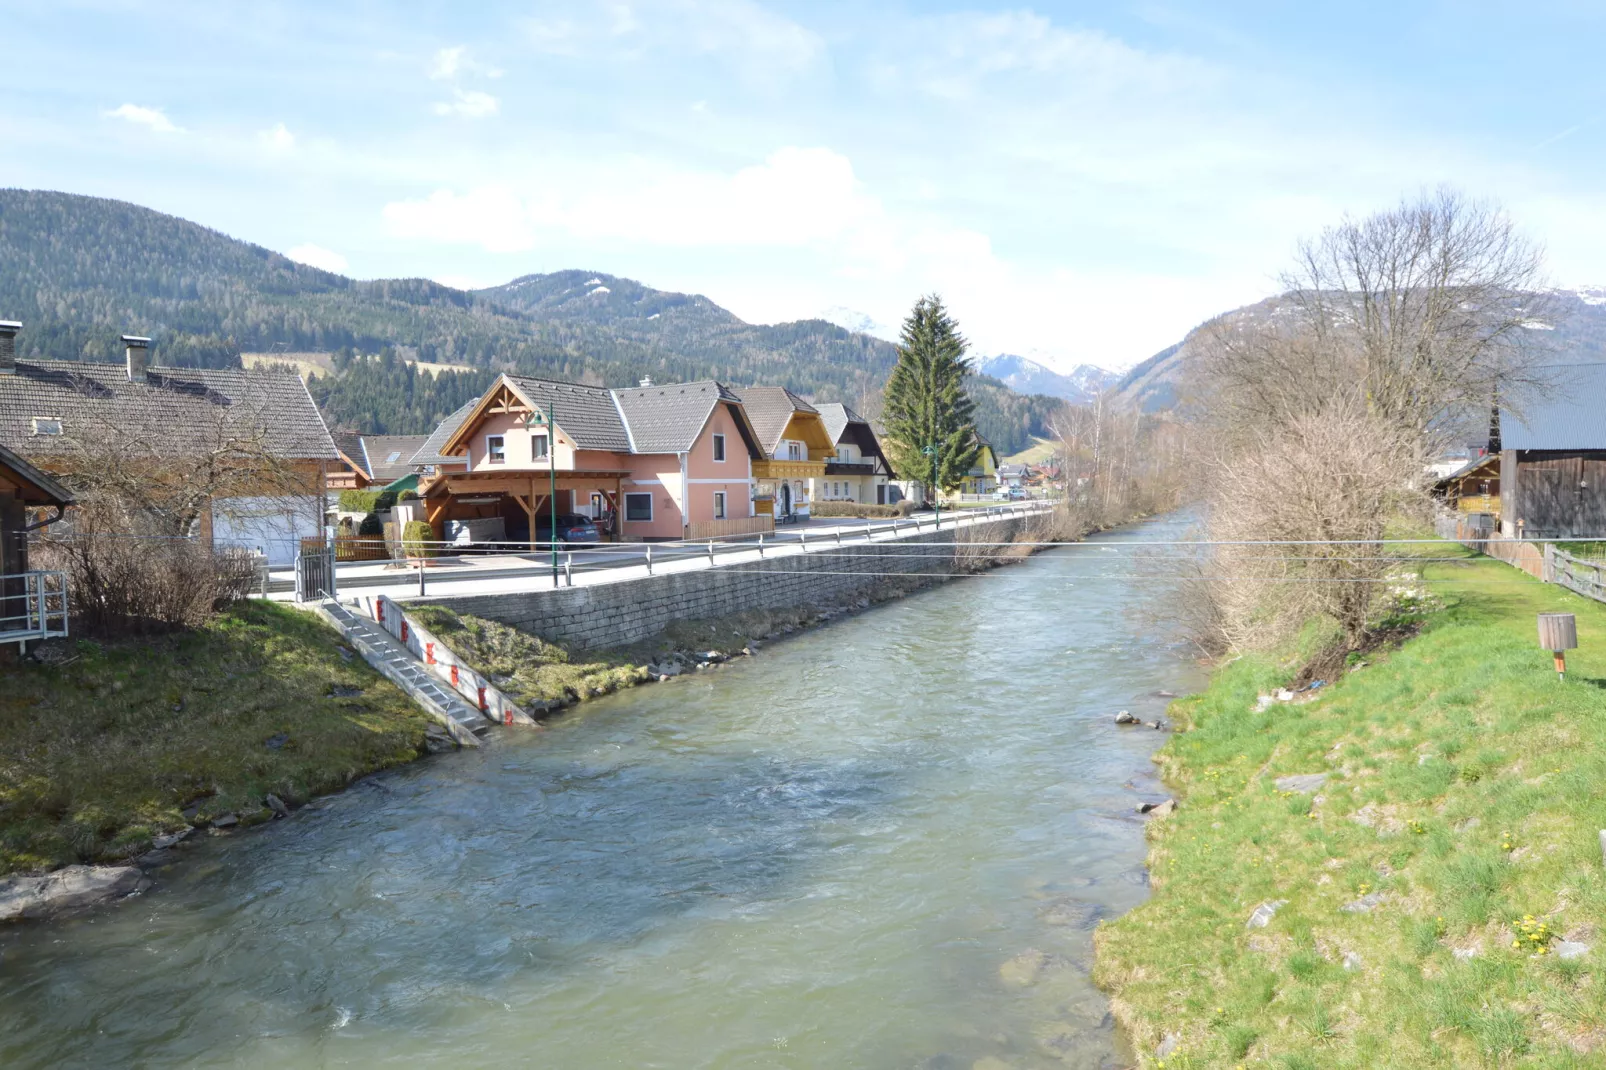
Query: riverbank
108, 746
1431, 893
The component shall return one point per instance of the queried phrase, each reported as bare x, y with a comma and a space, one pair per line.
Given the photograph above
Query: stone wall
628, 611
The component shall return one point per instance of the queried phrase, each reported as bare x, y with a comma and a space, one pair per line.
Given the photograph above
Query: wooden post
1558, 633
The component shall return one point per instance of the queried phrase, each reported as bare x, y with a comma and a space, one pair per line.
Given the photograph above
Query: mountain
79, 271
1084, 382
851, 320
1571, 327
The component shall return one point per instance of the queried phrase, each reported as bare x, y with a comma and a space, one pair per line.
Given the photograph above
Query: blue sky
1081, 181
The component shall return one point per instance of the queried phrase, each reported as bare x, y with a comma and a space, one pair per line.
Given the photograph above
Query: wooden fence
1578, 574
741, 525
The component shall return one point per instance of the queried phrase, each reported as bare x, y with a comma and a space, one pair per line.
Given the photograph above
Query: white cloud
448, 63
469, 103
796, 197
277, 139
147, 117
319, 257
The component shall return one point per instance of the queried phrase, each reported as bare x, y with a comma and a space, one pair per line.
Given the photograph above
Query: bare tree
1425, 312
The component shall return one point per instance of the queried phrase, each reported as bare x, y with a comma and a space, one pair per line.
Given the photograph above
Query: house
650, 462
1552, 479
60, 414
795, 448
982, 478
373, 460
859, 471
24, 487
1014, 476
1473, 486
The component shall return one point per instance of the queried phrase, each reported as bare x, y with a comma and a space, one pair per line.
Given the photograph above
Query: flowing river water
882, 843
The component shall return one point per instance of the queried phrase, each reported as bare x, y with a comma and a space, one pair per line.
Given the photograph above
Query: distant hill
79, 271
1084, 382
1573, 329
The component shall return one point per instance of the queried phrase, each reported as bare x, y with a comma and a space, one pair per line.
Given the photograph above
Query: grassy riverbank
109, 748
1466, 789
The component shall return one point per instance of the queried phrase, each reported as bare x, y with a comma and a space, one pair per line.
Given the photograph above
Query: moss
1465, 785
102, 752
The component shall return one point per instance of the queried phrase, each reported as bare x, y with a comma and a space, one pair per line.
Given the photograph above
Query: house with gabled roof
858, 470
649, 462
796, 447
1551, 481
56, 413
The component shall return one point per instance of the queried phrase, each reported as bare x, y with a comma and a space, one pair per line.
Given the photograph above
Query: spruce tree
925, 400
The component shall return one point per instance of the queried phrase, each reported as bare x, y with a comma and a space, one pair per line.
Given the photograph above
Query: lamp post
552, 485
936, 491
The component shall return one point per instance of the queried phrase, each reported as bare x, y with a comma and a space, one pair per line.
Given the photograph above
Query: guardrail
33, 606
451, 564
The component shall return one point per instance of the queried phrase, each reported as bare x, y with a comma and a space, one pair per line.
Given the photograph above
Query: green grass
99, 754
1466, 783
1040, 451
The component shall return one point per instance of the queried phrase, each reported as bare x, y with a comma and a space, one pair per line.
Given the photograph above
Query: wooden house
1552, 478
796, 446
859, 471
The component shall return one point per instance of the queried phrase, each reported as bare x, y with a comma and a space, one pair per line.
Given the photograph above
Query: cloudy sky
1082, 182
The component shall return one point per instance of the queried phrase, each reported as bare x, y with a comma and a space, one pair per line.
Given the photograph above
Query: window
638, 506
844, 454
794, 451
719, 447
495, 449
47, 425
719, 505
538, 446
394, 457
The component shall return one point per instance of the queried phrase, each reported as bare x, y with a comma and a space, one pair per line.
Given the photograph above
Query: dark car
572, 527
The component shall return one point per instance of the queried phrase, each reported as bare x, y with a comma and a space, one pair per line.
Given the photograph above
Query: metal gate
315, 571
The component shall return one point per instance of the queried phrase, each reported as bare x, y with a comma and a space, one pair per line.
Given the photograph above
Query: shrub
371, 527
358, 501
385, 501
408, 496
418, 539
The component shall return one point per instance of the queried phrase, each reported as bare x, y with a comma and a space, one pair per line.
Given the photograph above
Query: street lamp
552, 481
932, 451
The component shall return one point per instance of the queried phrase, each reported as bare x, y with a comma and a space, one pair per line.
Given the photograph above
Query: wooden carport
528, 488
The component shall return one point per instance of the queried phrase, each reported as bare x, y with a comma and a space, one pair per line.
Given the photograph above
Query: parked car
572, 527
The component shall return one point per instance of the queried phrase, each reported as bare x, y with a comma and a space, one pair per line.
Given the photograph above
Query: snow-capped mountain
1026, 376
853, 320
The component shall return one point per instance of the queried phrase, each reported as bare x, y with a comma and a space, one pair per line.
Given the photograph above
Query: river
881, 843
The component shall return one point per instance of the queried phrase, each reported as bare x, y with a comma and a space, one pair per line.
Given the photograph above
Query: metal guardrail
33, 606
585, 558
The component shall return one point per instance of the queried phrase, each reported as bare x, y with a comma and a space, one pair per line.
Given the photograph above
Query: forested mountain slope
79, 271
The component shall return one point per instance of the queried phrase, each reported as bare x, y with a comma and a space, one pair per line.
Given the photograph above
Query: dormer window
47, 425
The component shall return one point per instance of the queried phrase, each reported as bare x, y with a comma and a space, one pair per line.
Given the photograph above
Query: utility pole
552, 473
936, 491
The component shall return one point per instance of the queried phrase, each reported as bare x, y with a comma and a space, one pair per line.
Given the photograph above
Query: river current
883, 843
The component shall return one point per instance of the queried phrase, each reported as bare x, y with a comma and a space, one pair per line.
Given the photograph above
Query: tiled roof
1572, 415
391, 456
770, 409
430, 451
667, 419
349, 443
175, 411
44, 487
837, 417
586, 414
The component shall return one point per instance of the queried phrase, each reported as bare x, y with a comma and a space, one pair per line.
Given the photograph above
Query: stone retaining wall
616, 614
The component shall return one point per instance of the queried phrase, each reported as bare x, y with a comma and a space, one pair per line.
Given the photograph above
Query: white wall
273, 526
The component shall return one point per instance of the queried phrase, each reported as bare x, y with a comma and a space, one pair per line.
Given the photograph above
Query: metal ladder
397, 665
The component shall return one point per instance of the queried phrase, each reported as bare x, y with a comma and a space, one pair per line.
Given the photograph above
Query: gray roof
668, 418
770, 409
430, 451
1012, 469
389, 457
44, 484
174, 411
837, 417
1572, 415
586, 414
349, 443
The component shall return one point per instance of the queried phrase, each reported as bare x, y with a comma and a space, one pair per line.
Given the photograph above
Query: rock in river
1126, 718
66, 889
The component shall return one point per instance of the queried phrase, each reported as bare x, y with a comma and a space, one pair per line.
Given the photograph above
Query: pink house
650, 462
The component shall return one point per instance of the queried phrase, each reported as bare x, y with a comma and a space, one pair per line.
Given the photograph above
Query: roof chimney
646, 380
8, 346
138, 352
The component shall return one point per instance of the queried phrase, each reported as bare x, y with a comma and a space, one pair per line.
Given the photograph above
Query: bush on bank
1465, 790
